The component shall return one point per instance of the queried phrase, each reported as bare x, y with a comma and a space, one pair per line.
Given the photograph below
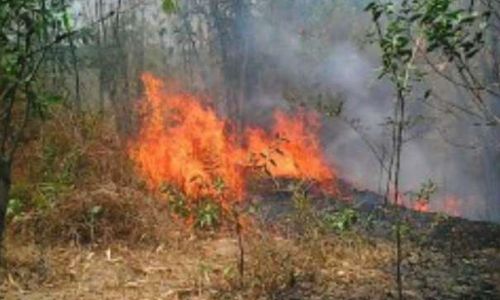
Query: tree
29, 29
409, 35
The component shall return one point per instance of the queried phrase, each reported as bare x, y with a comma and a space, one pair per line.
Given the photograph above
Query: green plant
60, 161
176, 201
92, 215
342, 220
405, 32
423, 195
15, 208
304, 217
46, 194
229, 273
20, 197
208, 215
170, 6
405, 229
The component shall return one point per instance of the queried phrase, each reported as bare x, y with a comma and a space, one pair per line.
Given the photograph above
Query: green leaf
15, 207
170, 6
67, 21
52, 99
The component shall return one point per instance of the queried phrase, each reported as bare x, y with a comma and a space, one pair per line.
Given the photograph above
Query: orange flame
452, 206
184, 143
298, 152
421, 206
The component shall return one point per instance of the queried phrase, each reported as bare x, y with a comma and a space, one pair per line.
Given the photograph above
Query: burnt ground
449, 257
317, 249
434, 230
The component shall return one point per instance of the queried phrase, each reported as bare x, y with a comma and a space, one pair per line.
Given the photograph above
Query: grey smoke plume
343, 66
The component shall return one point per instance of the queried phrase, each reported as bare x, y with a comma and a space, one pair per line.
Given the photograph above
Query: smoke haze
346, 67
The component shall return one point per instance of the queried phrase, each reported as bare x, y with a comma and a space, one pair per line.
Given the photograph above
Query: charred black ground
446, 257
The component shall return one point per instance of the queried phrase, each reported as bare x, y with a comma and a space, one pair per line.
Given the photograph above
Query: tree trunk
5, 168
141, 53
490, 135
101, 44
120, 82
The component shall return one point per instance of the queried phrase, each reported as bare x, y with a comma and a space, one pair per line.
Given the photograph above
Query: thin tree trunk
78, 100
5, 183
140, 67
101, 40
74, 59
223, 43
120, 102
399, 150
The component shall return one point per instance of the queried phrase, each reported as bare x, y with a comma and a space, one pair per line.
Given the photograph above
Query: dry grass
116, 272
280, 268
191, 268
108, 213
102, 236
76, 183
87, 147
133, 250
186, 266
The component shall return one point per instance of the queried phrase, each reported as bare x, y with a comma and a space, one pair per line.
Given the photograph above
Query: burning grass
184, 143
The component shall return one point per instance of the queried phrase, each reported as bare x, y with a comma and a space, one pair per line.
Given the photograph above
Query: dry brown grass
186, 267
131, 247
103, 236
182, 271
326, 266
106, 214
77, 184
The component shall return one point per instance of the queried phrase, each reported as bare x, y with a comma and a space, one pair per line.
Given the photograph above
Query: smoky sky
343, 65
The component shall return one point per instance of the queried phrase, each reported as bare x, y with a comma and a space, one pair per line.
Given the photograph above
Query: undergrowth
73, 181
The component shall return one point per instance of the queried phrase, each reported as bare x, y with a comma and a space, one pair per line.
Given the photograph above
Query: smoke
334, 63
317, 53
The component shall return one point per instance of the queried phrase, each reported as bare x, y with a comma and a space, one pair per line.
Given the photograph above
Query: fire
452, 206
185, 143
296, 153
421, 206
